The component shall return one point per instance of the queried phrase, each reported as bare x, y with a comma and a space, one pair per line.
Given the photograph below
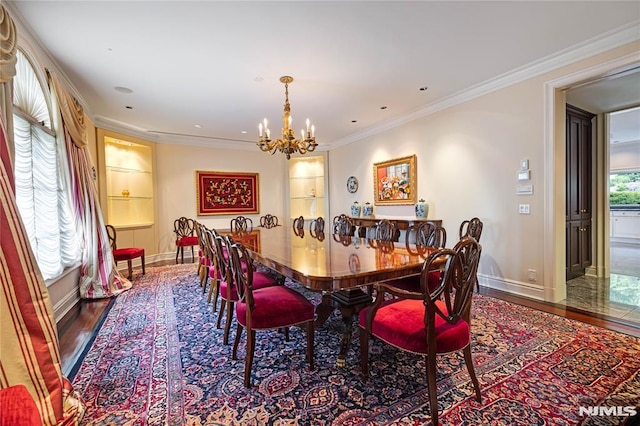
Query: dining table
341, 268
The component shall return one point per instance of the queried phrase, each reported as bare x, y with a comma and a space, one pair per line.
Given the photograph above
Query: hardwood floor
78, 328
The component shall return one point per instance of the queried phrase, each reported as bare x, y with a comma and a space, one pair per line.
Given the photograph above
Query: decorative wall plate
352, 184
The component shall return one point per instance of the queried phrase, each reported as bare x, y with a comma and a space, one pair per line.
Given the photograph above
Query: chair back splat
436, 320
241, 224
127, 254
268, 221
472, 228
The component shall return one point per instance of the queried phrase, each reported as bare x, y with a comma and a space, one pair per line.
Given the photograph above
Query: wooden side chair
227, 288
433, 321
316, 228
267, 308
386, 230
241, 224
184, 228
298, 226
127, 254
343, 226
268, 221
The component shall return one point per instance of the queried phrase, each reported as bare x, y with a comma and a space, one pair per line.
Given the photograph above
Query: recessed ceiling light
383, 107
197, 126
354, 121
423, 88
129, 107
122, 89
258, 79
244, 132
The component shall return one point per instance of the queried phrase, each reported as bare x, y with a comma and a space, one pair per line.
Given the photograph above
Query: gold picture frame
395, 181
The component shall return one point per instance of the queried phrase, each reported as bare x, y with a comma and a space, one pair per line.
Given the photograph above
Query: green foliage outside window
617, 198
624, 188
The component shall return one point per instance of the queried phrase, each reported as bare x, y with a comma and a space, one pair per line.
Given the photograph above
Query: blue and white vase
367, 210
355, 209
422, 209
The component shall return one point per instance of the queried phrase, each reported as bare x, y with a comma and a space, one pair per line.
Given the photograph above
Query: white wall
176, 185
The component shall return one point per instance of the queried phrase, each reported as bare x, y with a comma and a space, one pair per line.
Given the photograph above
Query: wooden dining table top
330, 263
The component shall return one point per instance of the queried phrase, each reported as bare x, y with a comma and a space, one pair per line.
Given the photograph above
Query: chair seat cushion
128, 253
187, 241
17, 407
260, 280
400, 322
412, 283
275, 307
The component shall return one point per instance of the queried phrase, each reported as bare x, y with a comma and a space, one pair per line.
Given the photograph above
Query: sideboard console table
402, 224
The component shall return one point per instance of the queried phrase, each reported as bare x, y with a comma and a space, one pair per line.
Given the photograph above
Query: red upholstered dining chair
268, 221
266, 308
127, 254
472, 228
184, 229
241, 224
228, 292
433, 322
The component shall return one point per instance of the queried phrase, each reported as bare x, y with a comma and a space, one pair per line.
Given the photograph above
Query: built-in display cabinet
129, 183
127, 188
307, 183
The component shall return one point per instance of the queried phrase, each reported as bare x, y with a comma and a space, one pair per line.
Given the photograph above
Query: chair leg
468, 359
227, 324
143, 265
181, 254
193, 259
236, 341
177, 253
130, 267
248, 362
286, 334
214, 289
223, 304
310, 343
431, 384
204, 277
364, 353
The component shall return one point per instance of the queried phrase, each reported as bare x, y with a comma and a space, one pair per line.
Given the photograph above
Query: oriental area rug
159, 359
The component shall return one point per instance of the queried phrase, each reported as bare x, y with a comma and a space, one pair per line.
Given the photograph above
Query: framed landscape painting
395, 181
227, 193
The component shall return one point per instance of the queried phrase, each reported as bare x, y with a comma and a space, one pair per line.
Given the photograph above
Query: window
41, 175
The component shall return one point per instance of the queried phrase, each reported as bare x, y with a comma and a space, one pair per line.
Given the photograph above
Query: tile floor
616, 297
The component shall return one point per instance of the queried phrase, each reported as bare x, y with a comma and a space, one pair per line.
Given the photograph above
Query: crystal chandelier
288, 144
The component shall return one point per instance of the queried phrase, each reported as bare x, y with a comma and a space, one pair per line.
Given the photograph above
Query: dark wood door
579, 190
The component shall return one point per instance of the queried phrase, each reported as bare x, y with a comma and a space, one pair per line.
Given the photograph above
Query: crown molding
604, 42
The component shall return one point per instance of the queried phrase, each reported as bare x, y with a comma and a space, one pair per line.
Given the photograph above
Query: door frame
555, 288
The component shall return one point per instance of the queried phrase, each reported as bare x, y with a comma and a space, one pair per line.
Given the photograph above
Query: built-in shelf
129, 183
307, 187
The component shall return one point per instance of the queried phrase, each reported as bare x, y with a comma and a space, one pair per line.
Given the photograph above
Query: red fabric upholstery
275, 307
400, 322
127, 253
17, 407
187, 241
260, 280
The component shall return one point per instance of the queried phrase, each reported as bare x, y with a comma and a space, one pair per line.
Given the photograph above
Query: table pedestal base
349, 302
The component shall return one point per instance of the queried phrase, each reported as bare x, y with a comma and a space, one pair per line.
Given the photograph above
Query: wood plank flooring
78, 328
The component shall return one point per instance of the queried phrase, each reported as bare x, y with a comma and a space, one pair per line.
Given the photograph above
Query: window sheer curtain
98, 276
42, 192
30, 352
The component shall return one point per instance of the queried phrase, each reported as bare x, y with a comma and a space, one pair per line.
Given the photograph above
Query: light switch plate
524, 209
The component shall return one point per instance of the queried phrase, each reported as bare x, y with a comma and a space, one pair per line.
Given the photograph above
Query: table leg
347, 320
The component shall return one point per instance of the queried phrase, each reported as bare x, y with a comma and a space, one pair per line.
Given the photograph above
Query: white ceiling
217, 64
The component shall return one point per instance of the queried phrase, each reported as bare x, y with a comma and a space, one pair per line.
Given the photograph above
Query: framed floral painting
227, 193
395, 181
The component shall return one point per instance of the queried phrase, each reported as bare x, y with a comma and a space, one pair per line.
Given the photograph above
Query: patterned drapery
98, 274
30, 353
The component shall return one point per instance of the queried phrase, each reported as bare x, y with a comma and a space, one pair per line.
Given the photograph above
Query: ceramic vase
355, 209
422, 209
367, 210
